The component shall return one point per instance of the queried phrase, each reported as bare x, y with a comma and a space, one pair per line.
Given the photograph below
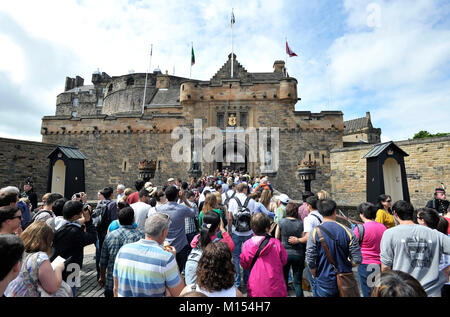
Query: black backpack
99, 216
242, 217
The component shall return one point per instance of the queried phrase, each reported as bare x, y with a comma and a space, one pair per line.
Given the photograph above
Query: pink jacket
266, 278
226, 238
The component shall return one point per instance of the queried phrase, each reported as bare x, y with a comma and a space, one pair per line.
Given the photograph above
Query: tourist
11, 251
141, 208
177, 231
243, 232
211, 205
211, 228
311, 221
37, 277
125, 234
46, 214
215, 273
71, 237
291, 226
116, 224
171, 182
57, 209
144, 268
280, 212
384, 213
10, 219
127, 192
262, 203
120, 192
209, 188
9, 196
134, 197
397, 284
430, 218
229, 194
44, 199
342, 244
414, 249
369, 237
303, 211
108, 209
446, 216
266, 272
439, 203
323, 194
191, 223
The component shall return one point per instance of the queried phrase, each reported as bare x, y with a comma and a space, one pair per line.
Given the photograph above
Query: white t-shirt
311, 221
233, 207
224, 195
141, 210
231, 292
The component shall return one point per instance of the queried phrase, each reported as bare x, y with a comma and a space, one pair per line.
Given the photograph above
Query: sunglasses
18, 217
388, 201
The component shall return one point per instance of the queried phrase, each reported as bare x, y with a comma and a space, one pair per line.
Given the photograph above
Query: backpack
190, 268
361, 233
99, 216
261, 187
39, 213
228, 198
241, 218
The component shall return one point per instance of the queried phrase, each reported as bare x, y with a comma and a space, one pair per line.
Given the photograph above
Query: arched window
130, 81
110, 87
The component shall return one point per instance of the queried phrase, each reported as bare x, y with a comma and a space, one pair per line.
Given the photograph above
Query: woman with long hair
215, 273
210, 204
37, 277
384, 213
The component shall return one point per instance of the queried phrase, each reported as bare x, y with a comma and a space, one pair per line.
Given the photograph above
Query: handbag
346, 282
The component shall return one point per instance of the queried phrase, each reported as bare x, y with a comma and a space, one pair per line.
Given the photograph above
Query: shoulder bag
346, 282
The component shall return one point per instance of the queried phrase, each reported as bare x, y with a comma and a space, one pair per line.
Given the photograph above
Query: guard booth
66, 171
386, 173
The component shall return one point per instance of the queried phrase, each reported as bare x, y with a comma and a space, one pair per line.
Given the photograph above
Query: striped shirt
113, 242
144, 269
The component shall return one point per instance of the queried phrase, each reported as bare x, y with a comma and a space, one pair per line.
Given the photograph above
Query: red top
133, 198
448, 220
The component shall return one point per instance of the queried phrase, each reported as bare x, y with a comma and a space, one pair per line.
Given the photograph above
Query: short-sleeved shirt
177, 230
416, 250
141, 210
144, 269
370, 246
385, 218
112, 244
312, 220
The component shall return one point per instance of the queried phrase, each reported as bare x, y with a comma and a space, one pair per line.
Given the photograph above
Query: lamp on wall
307, 173
147, 169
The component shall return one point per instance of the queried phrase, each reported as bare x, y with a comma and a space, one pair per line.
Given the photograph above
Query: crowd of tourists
223, 235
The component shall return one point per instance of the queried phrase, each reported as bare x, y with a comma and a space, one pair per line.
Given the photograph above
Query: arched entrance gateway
234, 157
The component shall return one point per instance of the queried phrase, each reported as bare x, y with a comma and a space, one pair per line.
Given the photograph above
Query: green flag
193, 56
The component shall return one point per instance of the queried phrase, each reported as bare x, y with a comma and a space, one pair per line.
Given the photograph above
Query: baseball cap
171, 180
283, 198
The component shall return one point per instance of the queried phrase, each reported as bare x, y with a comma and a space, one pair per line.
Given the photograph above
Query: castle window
103, 90
323, 158
77, 90
100, 102
110, 87
75, 102
74, 114
130, 81
243, 122
220, 120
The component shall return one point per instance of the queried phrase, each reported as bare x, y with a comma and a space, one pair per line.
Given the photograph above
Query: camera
85, 206
77, 195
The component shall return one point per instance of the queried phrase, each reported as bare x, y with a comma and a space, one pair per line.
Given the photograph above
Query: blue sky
391, 58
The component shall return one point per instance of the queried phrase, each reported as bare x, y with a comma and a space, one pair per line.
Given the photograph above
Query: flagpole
287, 56
192, 48
232, 43
146, 76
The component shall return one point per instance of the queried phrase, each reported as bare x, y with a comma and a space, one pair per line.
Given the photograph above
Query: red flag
288, 51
